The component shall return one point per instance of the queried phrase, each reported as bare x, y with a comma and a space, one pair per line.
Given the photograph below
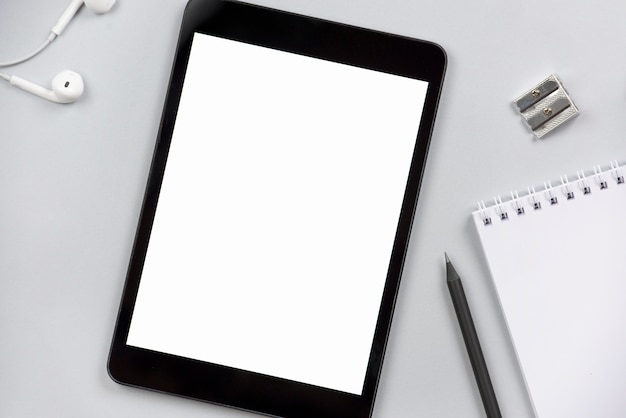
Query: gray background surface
72, 178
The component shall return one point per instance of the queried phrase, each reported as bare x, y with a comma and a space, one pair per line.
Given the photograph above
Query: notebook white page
560, 273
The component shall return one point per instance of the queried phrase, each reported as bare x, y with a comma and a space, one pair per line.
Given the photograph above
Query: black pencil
471, 342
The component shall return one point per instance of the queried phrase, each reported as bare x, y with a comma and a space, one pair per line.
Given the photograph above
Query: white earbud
97, 6
67, 87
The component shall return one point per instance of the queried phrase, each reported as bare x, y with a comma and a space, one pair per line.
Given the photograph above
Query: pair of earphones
67, 86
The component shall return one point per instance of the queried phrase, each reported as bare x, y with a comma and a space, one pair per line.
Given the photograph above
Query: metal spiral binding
482, 209
567, 189
517, 205
582, 181
617, 173
551, 193
500, 209
600, 177
533, 198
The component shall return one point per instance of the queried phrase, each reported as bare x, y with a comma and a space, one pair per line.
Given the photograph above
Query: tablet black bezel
310, 37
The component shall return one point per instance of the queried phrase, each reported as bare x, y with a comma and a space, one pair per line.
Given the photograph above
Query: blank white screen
277, 214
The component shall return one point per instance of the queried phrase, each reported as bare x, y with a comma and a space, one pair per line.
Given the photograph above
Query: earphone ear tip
99, 6
68, 86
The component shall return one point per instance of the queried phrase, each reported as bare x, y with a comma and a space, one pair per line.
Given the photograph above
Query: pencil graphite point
451, 274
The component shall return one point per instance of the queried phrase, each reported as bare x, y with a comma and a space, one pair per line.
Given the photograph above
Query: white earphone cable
48, 41
5, 77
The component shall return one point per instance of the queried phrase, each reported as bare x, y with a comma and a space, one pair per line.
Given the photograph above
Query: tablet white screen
277, 214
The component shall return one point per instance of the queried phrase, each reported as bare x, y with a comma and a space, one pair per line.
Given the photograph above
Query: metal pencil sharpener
546, 106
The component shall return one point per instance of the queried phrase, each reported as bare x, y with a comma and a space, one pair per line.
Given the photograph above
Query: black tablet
277, 212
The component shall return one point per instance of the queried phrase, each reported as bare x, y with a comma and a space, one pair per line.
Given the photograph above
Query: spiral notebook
557, 257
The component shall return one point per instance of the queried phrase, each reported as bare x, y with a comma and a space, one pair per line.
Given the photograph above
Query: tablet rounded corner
114, 371
443, 54
440, 57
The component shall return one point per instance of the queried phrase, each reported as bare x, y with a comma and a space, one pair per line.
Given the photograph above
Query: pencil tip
451, 274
